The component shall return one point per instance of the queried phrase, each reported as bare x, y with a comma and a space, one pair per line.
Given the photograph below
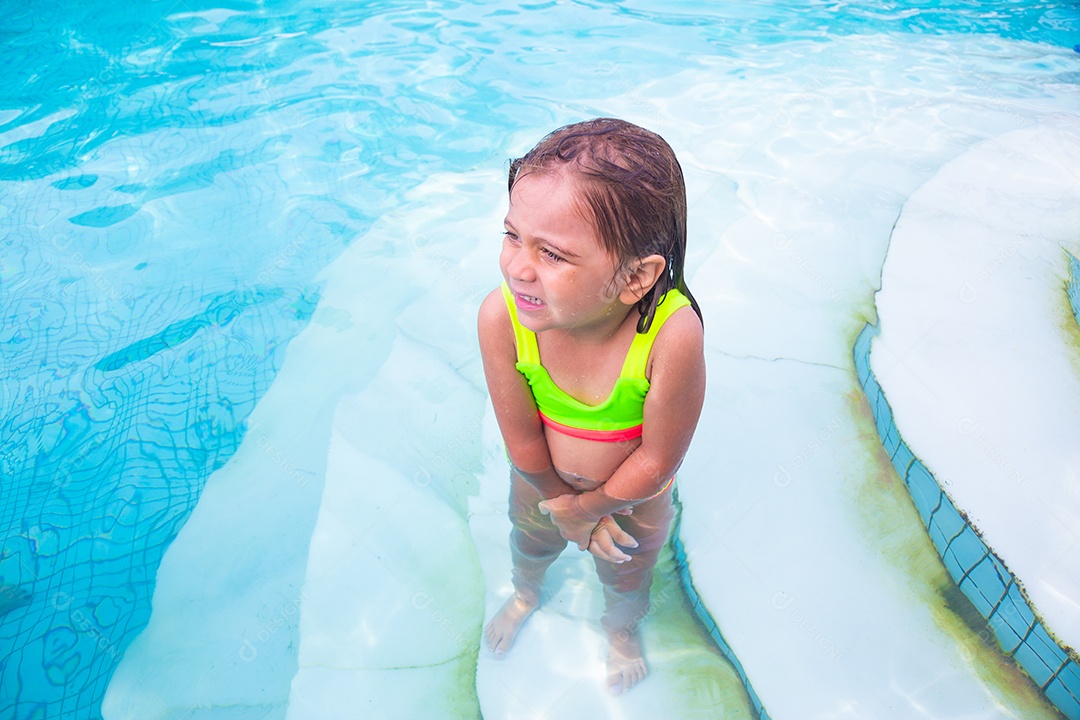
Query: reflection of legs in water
534, 544
11, 597
626, 591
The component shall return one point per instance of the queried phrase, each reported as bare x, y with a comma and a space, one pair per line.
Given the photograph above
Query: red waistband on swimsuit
623, 435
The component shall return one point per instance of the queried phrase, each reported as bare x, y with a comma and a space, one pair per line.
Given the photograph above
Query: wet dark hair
633, 190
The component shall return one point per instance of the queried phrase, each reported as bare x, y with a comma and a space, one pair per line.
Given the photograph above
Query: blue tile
974, 593
948, 518
742, 674
861, 351
892, 439
1034, 665
1065, 700
924, 489
862, 365
1006, 634
882, 413
1000, 568
953, 565
1014, 611
1070, 675
871, 389
945, 524
986, 585
1043, 646
968, 548
991, 577
902, 457
982, 576
940, 540
725, 648
1073, 286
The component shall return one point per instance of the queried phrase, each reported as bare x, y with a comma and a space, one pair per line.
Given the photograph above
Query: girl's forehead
550, 198
545, 183
550, 206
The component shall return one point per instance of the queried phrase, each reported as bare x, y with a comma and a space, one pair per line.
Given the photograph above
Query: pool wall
707, 620
977, 570
1072, 286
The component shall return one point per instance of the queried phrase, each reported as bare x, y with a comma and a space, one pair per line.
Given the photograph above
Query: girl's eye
510, 236
552, 256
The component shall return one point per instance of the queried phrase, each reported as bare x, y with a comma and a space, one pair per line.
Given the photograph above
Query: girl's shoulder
494, 327
493, 308
680, 340
684, 323
493, 304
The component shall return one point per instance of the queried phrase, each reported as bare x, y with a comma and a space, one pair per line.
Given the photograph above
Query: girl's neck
598, 333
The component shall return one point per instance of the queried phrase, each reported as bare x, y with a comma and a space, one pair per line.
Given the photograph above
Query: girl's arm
672, 408
515, 408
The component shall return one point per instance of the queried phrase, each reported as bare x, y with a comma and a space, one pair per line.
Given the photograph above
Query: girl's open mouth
528, 302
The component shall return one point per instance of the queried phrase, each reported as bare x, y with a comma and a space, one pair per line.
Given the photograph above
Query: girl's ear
641, 276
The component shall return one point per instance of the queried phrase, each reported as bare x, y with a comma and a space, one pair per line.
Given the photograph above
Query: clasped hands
600, 536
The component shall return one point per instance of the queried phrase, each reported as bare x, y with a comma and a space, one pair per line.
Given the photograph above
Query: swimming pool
243, 250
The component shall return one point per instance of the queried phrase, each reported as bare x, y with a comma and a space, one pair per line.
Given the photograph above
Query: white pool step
979, 360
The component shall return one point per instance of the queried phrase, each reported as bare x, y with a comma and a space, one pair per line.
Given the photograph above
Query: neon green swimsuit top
616, 419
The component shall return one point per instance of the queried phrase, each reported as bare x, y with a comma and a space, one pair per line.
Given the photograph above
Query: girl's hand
606, 536
573, 524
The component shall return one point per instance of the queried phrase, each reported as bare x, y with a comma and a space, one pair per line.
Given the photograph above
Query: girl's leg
535, 543
626, 590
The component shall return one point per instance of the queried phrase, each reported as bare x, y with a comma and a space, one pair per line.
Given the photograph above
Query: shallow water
176, 182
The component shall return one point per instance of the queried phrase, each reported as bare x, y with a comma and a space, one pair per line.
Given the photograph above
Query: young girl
594, 360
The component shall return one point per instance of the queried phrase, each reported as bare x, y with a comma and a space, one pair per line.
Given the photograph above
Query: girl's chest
585, 373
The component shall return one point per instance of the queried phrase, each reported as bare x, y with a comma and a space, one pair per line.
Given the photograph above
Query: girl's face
552, 259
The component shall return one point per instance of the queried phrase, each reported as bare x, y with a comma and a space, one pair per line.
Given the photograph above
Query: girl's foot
503, 628
625, 663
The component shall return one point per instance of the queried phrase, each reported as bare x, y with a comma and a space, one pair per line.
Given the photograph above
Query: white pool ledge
979, 354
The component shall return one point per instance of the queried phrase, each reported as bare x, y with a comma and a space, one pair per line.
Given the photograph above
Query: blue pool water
175, 176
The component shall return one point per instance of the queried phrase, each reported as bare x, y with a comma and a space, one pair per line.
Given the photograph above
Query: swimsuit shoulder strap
524, 338
637, 359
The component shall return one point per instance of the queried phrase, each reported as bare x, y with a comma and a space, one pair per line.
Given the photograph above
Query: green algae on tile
680, 651
893, 526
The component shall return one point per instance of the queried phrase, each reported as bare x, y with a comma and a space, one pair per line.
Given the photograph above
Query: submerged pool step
706, 618
556, 666
1072, 288
976, 344
978, 571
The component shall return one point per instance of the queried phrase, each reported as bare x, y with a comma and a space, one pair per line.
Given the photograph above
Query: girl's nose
520, 266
